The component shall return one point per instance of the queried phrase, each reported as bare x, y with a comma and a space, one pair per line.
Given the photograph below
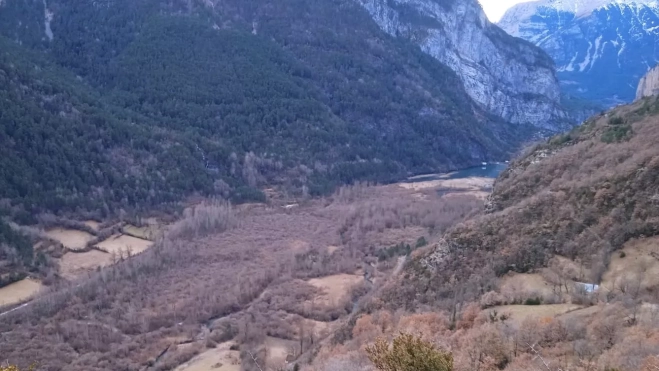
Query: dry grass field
519, 313
525, 285
639, 259
335, 289
74, 265
93, 224
220, 358
474, 186
278, 350
581, 315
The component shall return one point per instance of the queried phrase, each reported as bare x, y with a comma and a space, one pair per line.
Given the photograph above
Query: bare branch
255, 361
539, 356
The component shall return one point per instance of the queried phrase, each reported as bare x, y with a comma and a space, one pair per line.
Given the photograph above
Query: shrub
615, 134
11, 278
247, 194
408, 353
533, 301
15, 368
617, 120
491, 299
622, 255
560, 140
397, 250
204, 219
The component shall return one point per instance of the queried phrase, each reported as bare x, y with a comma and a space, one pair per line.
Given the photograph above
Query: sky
495, 8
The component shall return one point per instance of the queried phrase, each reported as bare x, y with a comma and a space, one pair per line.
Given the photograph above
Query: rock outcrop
649, 84
510, 78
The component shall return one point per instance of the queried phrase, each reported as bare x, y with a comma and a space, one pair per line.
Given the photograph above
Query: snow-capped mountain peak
601, 47
579, 8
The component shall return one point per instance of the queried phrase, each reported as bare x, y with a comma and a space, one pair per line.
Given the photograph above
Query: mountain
601, 47
124, 104
510, 78
649, 84
566, 248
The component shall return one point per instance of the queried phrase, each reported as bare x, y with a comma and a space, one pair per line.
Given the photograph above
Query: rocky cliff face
649, 85
508, 77
601, 47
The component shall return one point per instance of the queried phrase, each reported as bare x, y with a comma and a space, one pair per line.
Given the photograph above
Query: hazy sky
496, 8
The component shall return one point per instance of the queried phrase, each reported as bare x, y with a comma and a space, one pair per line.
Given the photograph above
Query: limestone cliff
649, 84
507, 76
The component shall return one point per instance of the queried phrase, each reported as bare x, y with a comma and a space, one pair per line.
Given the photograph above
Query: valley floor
267, 285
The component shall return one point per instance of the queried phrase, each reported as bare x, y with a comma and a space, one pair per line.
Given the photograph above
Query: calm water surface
486, 171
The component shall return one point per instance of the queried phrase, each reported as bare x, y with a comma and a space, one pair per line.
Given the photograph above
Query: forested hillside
124, 104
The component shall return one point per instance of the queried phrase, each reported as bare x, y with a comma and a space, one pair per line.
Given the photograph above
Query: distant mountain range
602, 48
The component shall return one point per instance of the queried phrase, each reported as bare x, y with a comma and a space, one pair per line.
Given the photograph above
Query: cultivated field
121, 244
74, 265
148, 232
71, 238
19, 291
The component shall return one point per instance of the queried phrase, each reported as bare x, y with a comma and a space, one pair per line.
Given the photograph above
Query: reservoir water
486, 171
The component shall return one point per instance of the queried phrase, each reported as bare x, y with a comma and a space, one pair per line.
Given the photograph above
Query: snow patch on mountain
586, 61
48, 18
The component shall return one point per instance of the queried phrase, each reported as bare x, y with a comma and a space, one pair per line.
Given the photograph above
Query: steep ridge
219, 98
508, 77
601, 47
581, 196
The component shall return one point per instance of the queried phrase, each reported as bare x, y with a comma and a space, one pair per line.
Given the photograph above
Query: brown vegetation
560, 274
223, 274
576, 196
